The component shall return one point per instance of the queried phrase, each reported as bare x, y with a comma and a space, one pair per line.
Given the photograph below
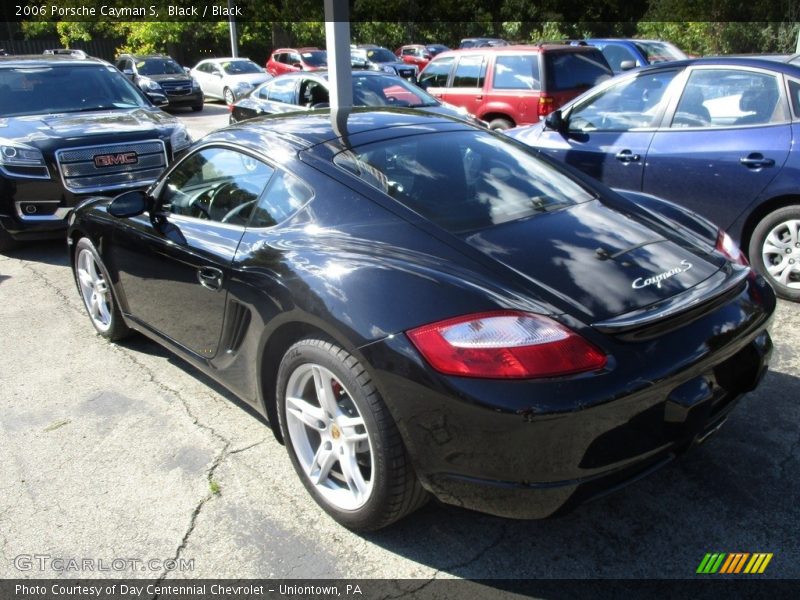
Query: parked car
480, 42
623, 54
715, 135
376, 58
228, 79
159, 74
72, 128
513, 85
288, 60
423, 307
419, 54
307, 91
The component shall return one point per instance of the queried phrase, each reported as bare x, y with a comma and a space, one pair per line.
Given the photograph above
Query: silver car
228, 79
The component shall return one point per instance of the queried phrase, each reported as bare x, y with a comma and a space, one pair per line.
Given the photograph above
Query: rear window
575, 70
659, 51
463, 181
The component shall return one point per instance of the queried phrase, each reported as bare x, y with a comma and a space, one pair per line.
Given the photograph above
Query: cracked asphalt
124, 451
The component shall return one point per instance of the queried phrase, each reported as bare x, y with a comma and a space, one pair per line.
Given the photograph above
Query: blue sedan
718, 136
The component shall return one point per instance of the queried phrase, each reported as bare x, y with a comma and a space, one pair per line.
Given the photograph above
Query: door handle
210, 278
756, 160
626, 156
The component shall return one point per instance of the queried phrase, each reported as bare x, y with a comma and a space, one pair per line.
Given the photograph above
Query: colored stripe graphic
758, 563
734, 563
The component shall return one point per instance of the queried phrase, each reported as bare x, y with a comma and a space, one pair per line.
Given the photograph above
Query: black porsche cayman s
422, 307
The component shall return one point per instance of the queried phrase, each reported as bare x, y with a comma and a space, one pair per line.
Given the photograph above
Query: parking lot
124, 451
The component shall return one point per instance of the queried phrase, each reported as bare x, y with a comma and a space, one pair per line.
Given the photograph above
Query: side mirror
186, 70
627, 65
555, 121
129, 204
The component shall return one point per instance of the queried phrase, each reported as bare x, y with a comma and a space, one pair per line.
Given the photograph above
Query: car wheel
229, 97
98, 297
6, 241
197, 107
775, 251
500, 124
341, 438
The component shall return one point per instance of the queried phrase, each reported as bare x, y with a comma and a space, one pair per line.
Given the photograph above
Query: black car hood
38, 130
596, 259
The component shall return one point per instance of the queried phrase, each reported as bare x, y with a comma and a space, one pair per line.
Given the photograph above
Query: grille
177, 88
80, 174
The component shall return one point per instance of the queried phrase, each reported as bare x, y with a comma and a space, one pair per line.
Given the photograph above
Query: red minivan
514, 85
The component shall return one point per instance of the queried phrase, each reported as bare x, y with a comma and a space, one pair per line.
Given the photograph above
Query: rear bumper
535, 449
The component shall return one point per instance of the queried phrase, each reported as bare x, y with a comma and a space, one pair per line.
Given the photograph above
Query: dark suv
71, 128
514, 85
376, 58
158, 74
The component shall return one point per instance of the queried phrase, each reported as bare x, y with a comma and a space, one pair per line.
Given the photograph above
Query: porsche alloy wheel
93, 283
342, 441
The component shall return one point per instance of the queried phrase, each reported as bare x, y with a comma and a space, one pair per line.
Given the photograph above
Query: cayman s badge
111, 160
656, 280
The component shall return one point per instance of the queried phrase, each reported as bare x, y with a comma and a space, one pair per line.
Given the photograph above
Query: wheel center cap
336, 433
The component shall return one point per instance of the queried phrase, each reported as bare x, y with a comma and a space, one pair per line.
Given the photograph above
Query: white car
228, 79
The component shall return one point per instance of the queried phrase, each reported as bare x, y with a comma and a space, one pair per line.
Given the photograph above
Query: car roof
535, 48
300, 131
140, 56
732, 61
48, 60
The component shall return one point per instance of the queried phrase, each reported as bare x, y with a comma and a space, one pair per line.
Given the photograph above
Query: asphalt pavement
127, 452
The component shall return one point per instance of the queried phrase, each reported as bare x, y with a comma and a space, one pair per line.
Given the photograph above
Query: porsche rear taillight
505, 345
730, 249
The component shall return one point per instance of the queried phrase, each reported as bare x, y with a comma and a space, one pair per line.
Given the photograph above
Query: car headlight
20, 156
388, 69
195, 85
180, 139
149, 84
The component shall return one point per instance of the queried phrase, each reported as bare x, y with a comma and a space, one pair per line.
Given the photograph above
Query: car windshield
65, 88
381, 55
660, 51
388, 90
318, 58
463, 181
159, 66
240, 67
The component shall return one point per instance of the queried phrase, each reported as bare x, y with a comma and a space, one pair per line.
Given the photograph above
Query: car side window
470, 72
616, 54
794, 96
217, 184
516, 72
634, 103
284, 196
729, 98
262, 93
436, 73
282, 91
